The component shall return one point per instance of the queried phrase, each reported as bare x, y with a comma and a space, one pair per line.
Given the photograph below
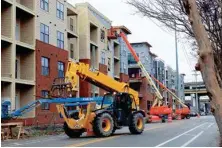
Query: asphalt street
194, 132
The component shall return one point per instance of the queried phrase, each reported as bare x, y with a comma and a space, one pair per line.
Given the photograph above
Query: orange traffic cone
169, 118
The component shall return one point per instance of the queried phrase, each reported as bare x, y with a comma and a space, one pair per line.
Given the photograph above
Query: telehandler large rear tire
71, 132
137, 123
103, 125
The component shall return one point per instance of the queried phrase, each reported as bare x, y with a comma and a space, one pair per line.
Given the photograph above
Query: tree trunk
206, 61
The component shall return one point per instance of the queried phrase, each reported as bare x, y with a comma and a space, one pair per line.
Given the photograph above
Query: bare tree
170, 12
200, 20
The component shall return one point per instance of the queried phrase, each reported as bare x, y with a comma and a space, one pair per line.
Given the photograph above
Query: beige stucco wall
12, 47
50, 19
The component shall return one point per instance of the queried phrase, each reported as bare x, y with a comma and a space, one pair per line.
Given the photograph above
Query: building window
124, 53
103, 58
60, 10
71, 24
131, 59
60, 39
109, 64
45, 94
44, 4
17, 68
45, 66
71, 51
17, 35
102, 35
124, 68
44, 33
60, 69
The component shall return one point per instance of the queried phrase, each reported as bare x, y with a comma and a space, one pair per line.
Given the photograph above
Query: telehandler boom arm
97, 78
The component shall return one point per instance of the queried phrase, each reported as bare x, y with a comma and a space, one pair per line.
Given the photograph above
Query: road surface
195, 132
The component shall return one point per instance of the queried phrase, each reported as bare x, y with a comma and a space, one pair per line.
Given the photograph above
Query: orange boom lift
157, 109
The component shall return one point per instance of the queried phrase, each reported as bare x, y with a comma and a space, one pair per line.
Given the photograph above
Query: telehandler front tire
137, 123
72, 133
103, 125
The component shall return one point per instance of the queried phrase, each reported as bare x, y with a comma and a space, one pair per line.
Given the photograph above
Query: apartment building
94, 48
18, 53
114, 46
137, 79
57, 42
123, 49
159, 67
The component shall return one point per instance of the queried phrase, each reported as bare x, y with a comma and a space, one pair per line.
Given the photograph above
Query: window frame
59, 11
71, 22
44, 66
103, 58
60, 39
43, 4
71, 51
109, 64
102, 35
124, 67
61, 69
44, 33
45, 106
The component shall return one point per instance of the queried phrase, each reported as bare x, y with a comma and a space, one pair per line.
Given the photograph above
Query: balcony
24, 95
6, 89
25, 24
6, 20
116, 51
116, 70
93, 34
24, 69
73, 49
6, 60
94, 64
24, 4
72, 18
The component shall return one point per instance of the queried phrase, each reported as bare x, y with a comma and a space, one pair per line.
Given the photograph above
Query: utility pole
177, 67
196, 96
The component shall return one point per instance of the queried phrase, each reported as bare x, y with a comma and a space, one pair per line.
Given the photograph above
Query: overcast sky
143, 29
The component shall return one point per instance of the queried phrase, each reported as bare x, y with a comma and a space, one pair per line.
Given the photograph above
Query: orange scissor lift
158, 109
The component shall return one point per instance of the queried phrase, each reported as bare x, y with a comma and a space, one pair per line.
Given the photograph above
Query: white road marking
179, 135
210, 125
191, 140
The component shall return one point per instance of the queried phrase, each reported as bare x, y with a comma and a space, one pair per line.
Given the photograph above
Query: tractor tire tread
97, 127
133, 124
71, 132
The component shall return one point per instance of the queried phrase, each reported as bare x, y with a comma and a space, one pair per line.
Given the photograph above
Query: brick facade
55, 55
124, 78
103, 69
84, 87
145, 92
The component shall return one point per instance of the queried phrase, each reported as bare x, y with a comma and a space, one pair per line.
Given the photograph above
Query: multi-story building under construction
136, 78
95, 48
38, 39
18, 53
